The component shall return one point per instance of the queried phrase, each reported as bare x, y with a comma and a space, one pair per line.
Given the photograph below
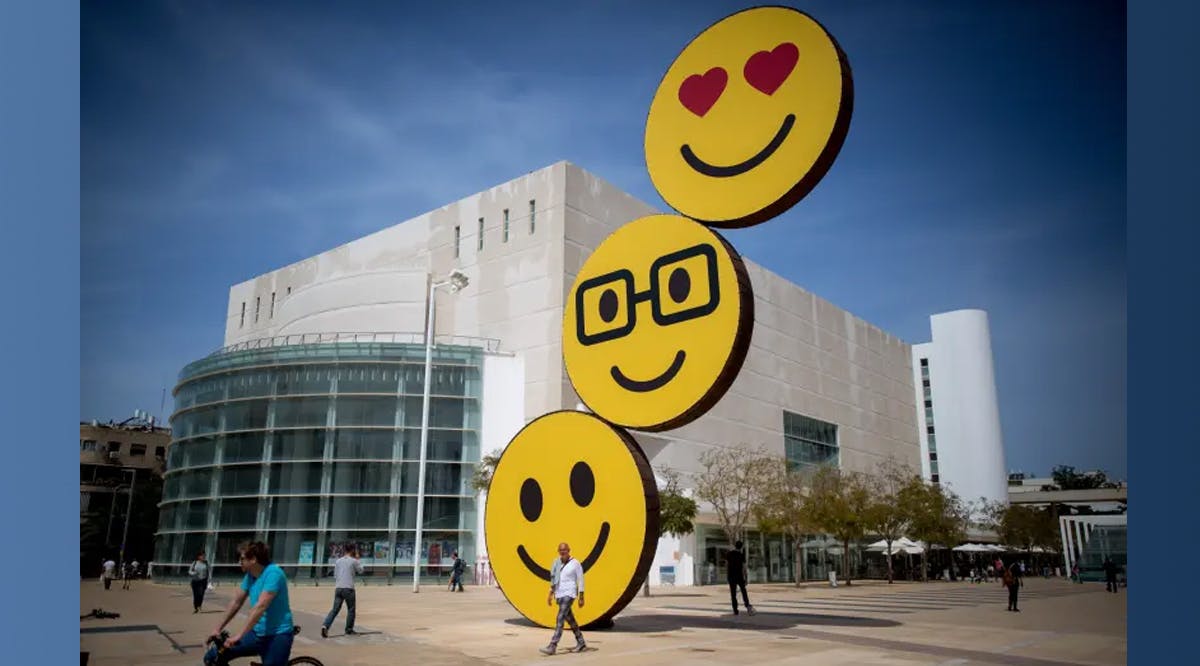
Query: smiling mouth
649, 384
544, 574
741, 167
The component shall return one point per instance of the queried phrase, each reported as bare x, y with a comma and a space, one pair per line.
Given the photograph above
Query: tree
1024, 526
1066, 478
837, 503
676, 511
937, 515
886, 513
481, 478
783, 507
730, 479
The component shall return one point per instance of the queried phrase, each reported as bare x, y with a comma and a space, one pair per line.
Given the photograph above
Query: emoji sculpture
745, 122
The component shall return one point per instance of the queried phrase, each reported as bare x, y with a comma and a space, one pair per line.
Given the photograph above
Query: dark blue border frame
39, 216
1163, 174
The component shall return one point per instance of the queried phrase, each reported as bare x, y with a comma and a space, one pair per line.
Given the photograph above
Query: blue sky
984, 168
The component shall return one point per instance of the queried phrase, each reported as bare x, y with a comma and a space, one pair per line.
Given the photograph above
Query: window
137, 450
272, 312
933, 456
929, 429
504, 234
243, 321
928, 404
257, 308
480, 234
160, 452
114, 447
933, 478
808, 441
925, 383
289, 293
924, 363
532, 214
87, 445
457, 238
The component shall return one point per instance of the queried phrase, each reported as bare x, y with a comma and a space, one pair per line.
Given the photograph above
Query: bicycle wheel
300, 661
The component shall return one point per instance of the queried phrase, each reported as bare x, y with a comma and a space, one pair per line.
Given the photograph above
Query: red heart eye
699, 93
767, 70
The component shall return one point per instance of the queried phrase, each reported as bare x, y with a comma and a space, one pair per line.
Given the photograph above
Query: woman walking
199, 574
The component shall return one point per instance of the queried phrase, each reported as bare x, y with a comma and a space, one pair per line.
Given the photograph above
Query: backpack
1008, 578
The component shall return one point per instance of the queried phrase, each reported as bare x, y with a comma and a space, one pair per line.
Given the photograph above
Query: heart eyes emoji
765, 71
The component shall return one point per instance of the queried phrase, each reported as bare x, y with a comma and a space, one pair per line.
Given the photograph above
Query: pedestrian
268, 631
110, 570
735, 573
199, 575
456, 572
344, 569
1110, 575
1012, 580
126, 575
566, 583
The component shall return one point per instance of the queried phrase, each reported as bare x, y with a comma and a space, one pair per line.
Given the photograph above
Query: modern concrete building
961, 443
819, 385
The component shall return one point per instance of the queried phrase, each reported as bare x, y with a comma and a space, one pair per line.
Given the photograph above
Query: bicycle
294, 661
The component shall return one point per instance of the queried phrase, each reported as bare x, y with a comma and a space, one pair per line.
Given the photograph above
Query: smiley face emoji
749, 117
658, 323
570, 477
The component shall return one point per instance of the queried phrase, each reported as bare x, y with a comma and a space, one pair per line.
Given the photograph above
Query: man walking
1012, 580
735, 573
344, 569
456, 572
1110, 575
566, 583
268, 631
110, 569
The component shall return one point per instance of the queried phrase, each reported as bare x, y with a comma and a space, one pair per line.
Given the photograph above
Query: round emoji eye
679, 285
608, 306
531, 500
583, 484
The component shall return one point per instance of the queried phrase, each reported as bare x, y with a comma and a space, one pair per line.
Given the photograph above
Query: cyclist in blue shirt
268, 632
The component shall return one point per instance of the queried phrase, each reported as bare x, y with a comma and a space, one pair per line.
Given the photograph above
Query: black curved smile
544, 574
741, 167
649, 384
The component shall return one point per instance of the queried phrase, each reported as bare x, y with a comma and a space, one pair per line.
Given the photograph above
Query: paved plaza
869, 623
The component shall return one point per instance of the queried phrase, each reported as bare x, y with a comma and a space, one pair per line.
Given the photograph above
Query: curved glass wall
311, 446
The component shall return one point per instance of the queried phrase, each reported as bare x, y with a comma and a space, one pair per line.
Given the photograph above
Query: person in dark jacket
735, 573
456, 572
1110, 575
1012, 580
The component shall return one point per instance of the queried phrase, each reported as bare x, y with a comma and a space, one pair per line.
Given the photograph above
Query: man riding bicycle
268, 631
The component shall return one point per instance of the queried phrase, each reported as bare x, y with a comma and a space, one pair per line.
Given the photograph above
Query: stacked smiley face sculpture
745, 122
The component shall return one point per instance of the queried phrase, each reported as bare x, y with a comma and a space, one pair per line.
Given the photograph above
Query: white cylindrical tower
966, 412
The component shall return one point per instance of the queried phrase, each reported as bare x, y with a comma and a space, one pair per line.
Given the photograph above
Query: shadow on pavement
762, 621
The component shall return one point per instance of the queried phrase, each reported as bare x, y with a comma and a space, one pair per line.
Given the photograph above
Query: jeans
734, 584
274, 650
455, 580
198, 587
565, 614
107, 583
339, 595
1012, 596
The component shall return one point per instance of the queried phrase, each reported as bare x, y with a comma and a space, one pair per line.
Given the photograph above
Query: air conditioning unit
114, 456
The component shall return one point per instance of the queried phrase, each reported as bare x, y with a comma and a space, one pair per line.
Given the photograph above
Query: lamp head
458, 280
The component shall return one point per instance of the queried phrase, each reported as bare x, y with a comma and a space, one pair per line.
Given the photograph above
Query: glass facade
311, 446
809, 442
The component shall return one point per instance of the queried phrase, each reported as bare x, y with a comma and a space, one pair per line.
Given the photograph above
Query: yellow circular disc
570, 477
749, 117
658, 323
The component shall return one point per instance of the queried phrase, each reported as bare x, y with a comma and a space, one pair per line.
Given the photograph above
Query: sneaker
324, 632
579, 647
549, 649
351, 632
751, 611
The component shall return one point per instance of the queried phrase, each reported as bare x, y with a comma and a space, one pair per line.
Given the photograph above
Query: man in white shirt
344, 569
566, 583
110, 569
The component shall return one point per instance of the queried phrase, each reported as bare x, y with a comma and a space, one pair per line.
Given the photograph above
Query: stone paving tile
868, 623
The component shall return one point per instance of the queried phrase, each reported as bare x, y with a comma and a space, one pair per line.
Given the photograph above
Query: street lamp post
457, 280
128, 516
